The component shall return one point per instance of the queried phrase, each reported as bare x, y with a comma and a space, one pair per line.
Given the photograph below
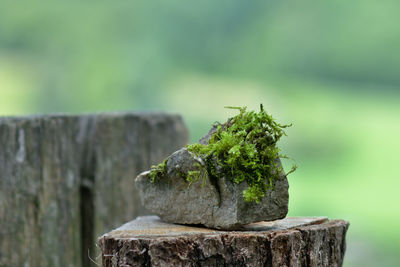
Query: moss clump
245, 150
158, 171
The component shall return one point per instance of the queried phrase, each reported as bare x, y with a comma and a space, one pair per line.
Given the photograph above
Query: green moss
158, 171
245, 148
192, 176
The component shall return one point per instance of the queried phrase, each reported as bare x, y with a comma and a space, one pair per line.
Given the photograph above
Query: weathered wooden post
147, 241
64, 180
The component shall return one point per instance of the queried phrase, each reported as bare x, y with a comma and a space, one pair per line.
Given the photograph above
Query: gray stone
216, 203
298, 241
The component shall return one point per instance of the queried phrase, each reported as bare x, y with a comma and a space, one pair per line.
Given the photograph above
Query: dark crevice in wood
268, 252
86, 189
87, 221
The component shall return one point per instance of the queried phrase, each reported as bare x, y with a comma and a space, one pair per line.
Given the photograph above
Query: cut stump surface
293, 241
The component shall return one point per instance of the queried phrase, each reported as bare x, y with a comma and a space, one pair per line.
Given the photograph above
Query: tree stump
64, 180
147, 241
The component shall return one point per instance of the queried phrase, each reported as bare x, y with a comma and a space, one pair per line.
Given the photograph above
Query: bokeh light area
332, 68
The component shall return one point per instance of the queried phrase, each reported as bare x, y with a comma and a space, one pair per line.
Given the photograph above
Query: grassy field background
331, 68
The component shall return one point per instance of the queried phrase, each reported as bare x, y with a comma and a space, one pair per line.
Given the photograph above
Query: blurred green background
332, 68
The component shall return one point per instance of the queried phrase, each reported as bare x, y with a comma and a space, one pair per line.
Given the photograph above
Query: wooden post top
154, 227
293, 241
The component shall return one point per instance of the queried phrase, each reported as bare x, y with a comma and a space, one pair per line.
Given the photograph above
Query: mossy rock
215, 203
233, 176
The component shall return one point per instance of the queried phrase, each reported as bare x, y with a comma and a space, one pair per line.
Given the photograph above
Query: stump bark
64, 180
147, 241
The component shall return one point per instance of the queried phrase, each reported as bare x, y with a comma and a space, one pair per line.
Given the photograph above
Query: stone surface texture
213, 202
65, 180
148, 241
